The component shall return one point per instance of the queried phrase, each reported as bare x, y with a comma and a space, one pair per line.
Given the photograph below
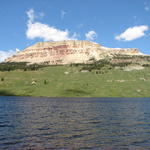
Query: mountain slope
67, 52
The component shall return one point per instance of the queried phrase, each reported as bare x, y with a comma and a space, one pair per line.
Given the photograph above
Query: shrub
2, 79
45, 82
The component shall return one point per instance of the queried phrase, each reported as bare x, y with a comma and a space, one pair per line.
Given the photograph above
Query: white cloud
63, 13
17, 50
6, 54
31, 15
44, 31
132, 33
91, 35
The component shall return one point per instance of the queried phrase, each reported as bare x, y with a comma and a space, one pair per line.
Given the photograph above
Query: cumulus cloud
91, 35
44, 31
30, 15
132, 33
6, 54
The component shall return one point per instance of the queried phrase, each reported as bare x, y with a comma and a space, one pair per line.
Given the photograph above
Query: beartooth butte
67, 52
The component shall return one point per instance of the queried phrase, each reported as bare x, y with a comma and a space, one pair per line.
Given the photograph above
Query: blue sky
112, 23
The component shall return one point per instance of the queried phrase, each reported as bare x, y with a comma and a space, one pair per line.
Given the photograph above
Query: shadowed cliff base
6, 93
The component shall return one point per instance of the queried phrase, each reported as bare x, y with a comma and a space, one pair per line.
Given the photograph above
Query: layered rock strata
67, 52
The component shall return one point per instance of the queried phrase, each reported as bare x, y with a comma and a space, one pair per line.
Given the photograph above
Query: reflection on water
74, 123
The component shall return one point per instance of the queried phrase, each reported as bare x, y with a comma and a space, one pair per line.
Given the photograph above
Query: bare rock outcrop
67, 52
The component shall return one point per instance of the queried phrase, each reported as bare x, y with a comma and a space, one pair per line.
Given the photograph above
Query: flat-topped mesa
67, 52
70, 43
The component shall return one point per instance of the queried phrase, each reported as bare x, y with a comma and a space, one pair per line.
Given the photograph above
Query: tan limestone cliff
66, 52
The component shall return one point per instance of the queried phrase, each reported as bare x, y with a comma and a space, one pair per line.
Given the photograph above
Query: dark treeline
145, 57
9, 66
103, 64
97, 65
116, 61
125, 60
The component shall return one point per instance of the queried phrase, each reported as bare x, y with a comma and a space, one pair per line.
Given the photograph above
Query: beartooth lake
74, 123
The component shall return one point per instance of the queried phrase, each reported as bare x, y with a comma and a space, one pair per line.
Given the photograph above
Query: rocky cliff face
66, 52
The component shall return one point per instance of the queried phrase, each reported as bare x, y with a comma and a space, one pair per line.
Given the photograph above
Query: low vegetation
10, 66
98, 79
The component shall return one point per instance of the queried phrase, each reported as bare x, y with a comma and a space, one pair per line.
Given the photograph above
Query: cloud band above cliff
44, 31
91, 35
6, 54
132, 33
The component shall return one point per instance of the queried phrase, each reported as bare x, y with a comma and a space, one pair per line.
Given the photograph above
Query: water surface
74, 123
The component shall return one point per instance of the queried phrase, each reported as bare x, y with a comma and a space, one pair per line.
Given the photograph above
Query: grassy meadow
68, 81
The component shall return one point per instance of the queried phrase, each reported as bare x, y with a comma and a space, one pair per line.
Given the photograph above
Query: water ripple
74, 123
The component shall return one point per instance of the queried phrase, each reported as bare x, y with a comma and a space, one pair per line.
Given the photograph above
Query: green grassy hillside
68, 81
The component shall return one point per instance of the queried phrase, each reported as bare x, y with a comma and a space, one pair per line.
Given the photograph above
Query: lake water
74, 123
